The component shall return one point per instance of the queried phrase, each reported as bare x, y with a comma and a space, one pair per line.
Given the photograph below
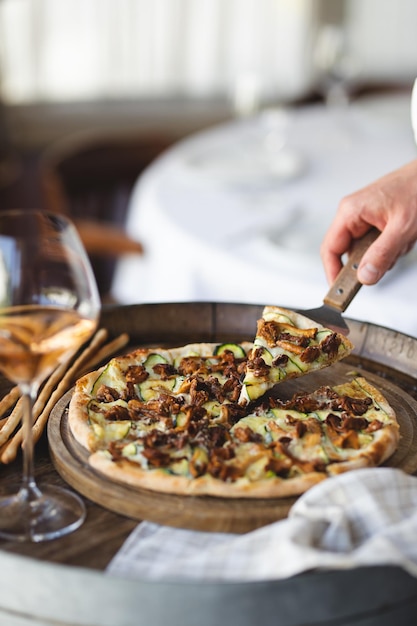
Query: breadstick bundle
96, 351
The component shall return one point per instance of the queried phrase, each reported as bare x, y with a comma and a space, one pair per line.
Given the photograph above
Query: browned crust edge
158, 480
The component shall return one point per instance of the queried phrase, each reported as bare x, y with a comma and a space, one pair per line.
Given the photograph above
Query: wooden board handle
346, 285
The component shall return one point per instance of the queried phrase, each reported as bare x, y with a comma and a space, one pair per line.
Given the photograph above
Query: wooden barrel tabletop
389, 358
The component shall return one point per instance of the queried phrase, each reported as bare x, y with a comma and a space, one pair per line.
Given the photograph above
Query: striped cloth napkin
365, 517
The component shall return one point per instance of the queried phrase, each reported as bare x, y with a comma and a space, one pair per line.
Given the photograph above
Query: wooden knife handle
346, 285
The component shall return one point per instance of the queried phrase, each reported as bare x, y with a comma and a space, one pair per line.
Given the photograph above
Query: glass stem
29, 393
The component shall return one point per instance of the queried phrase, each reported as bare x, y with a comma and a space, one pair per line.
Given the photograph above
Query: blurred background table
219, 221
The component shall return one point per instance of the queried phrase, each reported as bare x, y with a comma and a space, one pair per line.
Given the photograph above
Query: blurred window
61, 50
250, 50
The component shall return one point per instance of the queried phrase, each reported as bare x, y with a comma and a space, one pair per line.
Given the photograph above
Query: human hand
389, 204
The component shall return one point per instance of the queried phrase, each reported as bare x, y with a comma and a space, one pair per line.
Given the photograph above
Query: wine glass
336, 67
263, 155
49, 306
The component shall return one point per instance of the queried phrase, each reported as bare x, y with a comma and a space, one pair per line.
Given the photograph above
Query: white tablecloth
217, 226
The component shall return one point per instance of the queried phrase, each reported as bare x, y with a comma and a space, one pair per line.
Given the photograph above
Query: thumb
379, 257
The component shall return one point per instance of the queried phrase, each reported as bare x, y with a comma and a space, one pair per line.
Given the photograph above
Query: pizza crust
383, 446
125, 471
385, 440
78, 420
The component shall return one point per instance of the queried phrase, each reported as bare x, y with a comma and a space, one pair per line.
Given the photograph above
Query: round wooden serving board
209, 513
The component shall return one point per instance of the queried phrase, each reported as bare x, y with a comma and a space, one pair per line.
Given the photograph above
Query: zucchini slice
237, 349
151, 360
151, 388
112, 376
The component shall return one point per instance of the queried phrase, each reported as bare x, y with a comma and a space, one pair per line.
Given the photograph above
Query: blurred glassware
246, 95
335, 67
275, 152
264, 155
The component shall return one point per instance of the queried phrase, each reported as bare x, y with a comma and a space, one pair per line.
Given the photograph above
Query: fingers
377, 260
369, 273
332, 262
336, 242
382, 255
347, 226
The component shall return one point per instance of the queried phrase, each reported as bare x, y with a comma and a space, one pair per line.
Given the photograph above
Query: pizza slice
328, 432
287, 345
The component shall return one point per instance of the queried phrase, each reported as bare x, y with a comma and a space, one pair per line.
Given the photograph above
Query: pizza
181, 421
289, 345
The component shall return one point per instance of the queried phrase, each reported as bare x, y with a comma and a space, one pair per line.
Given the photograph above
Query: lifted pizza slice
288, 345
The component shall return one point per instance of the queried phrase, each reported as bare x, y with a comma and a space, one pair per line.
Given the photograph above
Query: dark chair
89, 177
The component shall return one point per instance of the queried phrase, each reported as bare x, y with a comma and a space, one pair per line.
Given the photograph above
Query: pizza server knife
344, 288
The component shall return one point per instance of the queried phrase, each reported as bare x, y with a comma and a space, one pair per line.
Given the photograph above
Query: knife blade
344, 288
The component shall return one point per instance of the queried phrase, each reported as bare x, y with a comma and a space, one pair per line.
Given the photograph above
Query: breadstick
106, 351
65, 383
62, 378
9, 400
57, 384
61, 371
12, 422
3, 448
100, 336
63, 386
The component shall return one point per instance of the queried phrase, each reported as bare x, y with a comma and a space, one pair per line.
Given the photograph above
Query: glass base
51, 513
